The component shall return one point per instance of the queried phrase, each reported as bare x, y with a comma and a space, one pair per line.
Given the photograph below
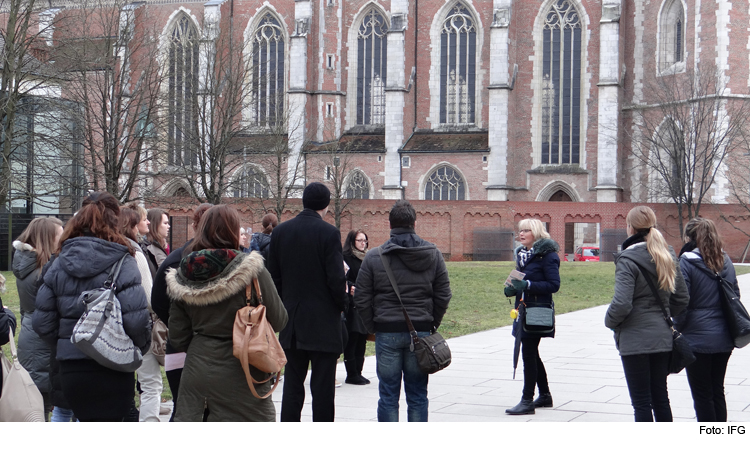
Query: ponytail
642, 219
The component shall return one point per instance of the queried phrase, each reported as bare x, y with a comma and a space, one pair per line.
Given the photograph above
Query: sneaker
338, 383
164, 410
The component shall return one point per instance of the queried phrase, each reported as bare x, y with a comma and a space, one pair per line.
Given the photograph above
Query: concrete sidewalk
583, 366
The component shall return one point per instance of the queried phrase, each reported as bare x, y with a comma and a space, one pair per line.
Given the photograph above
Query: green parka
201, 322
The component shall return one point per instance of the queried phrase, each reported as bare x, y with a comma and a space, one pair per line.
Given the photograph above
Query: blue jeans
61, 415
394, 360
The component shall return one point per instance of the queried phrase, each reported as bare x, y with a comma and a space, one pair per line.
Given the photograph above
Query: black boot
360, 366
543, 401
525, 407
352, 376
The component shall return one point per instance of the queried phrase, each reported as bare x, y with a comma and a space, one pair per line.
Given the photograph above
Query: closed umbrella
517, 344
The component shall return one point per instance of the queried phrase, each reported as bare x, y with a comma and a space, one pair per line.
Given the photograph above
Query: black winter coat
84, 264
7, 326
703, 323
263, 243
543, 271
33, 352
354, 323
307, 267
160, 300
422, 278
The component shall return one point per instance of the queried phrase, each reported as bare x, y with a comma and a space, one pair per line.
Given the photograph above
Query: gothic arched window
671, 34
250, 182
268, 72
458, 54
182, 93
358, 186
372, 46
561, 85
444, 184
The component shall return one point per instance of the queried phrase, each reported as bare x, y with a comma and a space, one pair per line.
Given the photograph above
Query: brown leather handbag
254, 342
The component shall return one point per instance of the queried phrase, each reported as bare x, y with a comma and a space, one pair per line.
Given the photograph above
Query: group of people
324, 299
687, 292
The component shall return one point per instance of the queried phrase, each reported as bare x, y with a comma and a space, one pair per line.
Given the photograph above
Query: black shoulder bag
738, 320
433, 353
682, 355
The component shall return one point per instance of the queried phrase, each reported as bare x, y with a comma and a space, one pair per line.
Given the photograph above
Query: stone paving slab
583, 366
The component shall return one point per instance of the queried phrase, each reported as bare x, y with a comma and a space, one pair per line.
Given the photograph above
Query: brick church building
451, 100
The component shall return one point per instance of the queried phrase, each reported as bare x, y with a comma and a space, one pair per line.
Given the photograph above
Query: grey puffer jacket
33, 352
83, 264
634, 314
703, 322
422, 279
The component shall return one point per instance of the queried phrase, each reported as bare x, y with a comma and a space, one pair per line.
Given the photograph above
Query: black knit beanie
316, 196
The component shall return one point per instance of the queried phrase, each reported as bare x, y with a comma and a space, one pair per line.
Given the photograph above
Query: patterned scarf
524, 255
358, 254
204, 265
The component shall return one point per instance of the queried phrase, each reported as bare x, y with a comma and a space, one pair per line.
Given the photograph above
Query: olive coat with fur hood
207, 289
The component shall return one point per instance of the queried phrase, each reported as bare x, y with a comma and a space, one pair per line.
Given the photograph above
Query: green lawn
478, 302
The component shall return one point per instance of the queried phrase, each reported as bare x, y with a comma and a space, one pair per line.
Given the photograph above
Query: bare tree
114, 79
684, 135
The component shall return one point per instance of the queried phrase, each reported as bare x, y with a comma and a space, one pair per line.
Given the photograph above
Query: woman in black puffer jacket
90, 247
703, 323
537, 258
34, 248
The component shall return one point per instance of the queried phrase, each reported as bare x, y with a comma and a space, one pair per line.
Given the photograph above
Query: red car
587, 254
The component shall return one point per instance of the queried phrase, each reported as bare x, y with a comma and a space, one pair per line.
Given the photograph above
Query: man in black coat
307, 266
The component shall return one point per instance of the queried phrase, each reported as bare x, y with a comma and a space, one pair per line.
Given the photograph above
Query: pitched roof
437, 142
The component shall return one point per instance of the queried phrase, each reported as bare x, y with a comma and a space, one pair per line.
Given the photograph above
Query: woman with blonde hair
536, 257
703, 323
34, 247
642, 335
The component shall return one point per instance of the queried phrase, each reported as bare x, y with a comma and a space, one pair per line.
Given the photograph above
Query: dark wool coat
703, 323
7, 326
542, 269
422, 279
33, 352
263, 243
201, 322
354, 322
84, 264
634, 314
307, 267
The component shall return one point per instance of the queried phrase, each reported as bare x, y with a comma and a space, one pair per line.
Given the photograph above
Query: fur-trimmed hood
238, 274
540, 248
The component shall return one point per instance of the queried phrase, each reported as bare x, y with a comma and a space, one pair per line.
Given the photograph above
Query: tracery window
182, 93
458, 49
358, 186
671, 34
251, 182
445, 184
561, 85
268, 72
372, 50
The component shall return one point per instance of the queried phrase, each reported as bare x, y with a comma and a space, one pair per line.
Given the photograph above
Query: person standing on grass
703, 323
537, 258
307, 267
641, 334
174, 360
422, 278
149, 374
34, 247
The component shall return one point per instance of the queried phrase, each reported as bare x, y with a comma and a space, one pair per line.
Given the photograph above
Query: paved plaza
584, 369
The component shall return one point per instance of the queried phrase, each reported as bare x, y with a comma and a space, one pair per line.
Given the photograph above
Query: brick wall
450, 225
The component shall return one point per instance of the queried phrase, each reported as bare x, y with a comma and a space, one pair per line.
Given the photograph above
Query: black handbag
738, 320
432, 352
682, 355
538, 318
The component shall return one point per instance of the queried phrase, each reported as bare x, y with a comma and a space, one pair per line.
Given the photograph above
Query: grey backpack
99, 333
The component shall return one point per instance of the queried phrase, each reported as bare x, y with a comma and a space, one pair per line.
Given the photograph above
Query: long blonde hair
643, 220
40, 235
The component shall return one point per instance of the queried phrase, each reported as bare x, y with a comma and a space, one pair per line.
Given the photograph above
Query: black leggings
534, 373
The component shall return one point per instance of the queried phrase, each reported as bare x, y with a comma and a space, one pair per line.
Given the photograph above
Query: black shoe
525, 407
543, 401
358, 380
